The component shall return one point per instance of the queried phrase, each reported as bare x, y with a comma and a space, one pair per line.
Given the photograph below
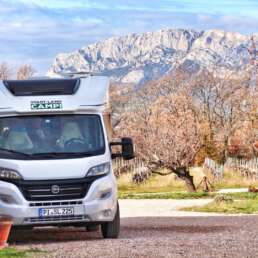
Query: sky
35, 31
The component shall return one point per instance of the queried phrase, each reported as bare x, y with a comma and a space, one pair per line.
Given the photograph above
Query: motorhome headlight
98, 170
6, 173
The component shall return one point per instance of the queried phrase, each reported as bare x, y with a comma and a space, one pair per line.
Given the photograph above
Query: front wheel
111, 229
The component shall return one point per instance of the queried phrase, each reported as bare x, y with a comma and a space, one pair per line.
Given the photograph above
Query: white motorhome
55, 155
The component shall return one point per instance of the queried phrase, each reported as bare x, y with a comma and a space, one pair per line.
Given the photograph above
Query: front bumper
99, 205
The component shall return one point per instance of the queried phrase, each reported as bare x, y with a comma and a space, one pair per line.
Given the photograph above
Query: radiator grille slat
40, 196
61, 219
55, 203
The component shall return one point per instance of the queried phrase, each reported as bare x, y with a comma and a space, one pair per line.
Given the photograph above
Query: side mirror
127, 152
127, 148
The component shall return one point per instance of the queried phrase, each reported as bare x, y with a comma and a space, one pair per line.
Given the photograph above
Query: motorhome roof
73, 94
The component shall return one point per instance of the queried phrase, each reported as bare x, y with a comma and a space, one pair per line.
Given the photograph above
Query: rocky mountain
137, 58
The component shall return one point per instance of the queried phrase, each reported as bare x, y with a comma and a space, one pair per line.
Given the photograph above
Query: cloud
34, 31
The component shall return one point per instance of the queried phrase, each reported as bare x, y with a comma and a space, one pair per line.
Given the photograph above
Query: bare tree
5, 71
25, 72
172, 120
175, 131
225, 104
167, 134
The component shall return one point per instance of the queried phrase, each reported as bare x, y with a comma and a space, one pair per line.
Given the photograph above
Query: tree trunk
190, 184
184, 174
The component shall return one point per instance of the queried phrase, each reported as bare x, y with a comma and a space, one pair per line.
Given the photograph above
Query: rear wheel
111, 229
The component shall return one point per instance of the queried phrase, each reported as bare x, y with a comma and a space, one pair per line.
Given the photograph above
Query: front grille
74, 218
43, 192
68, 189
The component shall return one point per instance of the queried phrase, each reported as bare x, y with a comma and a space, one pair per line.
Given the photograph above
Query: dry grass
170, 183
198, 174
233, 179
157, 183
235, 207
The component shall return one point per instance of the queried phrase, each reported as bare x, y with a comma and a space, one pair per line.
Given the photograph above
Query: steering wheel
74, 142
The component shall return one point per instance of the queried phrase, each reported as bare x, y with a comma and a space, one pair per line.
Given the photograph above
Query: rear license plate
49, 212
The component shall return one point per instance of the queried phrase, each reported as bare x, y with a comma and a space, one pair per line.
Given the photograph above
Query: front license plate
49, 212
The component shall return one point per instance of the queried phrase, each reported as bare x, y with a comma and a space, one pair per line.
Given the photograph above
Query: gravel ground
160, 207
147, 237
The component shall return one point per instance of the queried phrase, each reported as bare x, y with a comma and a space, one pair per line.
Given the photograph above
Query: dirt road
158, 236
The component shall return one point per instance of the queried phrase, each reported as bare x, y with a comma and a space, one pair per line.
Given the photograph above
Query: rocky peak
139, 57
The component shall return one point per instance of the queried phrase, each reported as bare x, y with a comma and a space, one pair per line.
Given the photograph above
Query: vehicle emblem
55, 189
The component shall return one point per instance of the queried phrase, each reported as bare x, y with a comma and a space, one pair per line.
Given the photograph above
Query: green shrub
222, 198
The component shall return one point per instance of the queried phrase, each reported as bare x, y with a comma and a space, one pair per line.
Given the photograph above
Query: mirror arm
115, 143
116, 155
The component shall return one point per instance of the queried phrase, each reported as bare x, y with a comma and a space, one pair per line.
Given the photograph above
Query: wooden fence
217, 170
247, 168
140, 173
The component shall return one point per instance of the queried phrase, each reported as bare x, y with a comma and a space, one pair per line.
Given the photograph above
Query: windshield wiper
14, 152
45, 155
62, 154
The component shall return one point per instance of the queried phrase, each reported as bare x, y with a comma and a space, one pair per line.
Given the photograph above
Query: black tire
111, 229
22, 228
19, 230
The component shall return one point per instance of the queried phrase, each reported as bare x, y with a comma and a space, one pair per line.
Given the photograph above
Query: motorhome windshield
51, 136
